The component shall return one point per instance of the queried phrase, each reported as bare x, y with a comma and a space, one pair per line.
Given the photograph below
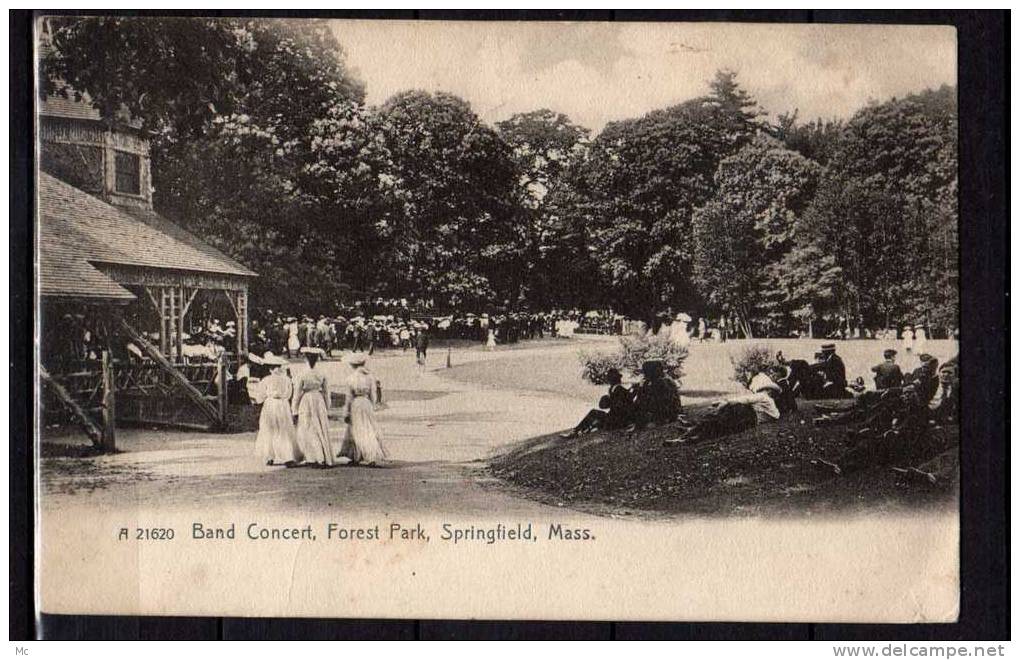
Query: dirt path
440, 427
438, 432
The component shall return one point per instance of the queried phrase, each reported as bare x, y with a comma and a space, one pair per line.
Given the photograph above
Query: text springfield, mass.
393, 531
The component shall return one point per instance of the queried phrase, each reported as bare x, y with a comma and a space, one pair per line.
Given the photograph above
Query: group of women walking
306, 399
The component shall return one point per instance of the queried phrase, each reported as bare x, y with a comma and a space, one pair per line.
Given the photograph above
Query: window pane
79, 165
128, 168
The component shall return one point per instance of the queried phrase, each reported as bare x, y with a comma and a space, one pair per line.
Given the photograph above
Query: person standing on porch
311, 406
276, 443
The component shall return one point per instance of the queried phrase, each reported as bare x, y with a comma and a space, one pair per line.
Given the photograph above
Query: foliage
748, 224
641, 183
450, 235
262, 145
545, 146
595, 365
752, 360
632, 352
884, 221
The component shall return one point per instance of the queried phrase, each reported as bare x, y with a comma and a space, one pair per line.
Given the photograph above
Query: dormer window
128, 168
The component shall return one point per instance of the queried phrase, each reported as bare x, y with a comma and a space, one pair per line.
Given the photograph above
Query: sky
600, 72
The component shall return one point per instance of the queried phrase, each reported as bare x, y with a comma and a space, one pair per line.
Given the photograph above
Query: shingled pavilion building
119, 285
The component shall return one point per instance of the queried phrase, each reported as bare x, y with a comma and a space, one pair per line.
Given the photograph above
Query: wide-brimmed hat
312, 350
357, 359
682, 316
926, 357
275, 360
889, 352
254, 359
828, 348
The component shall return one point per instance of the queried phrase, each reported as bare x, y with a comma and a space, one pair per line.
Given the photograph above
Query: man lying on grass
735, 414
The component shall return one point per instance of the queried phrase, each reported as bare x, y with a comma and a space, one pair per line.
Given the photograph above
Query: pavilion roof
77, 231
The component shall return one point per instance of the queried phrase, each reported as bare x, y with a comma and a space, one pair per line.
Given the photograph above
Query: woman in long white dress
490, 343
276, 443
920, 339
908, 339
678, 332
311, 405
363, 440
293, 342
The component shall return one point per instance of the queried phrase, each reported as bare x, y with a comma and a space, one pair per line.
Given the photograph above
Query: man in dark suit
926, 378
421, 344
833, 372
888, 374
945, 405
615, 411
371, 334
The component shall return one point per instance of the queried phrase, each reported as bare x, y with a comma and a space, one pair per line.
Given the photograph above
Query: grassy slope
762, 470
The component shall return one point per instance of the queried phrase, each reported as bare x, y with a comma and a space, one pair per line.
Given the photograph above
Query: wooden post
221, 389
181, 305
109, 403
164, 322
94, 433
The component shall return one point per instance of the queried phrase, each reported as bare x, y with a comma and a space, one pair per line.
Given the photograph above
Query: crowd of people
893, 421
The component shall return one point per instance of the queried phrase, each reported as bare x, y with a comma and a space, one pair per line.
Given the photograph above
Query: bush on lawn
752, 360
632, 352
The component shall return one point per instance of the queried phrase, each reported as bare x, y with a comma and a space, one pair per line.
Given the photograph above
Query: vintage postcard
497, 320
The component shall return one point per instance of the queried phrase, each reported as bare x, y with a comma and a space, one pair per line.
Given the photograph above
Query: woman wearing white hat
363, 440
678, 333
311, 405
908, 339
276, 442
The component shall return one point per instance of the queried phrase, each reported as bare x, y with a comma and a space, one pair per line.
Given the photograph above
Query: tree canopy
262, 144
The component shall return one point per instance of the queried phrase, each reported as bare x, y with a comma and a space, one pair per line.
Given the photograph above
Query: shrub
595, 366
632, 352
752, 360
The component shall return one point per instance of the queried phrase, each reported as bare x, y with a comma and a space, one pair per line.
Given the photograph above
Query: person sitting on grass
887, 373
945, 405
925, 378
615, 411
903, 426
736, 413
898, 430
657, 398
833, 374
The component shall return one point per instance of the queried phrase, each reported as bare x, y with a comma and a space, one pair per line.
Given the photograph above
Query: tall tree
545, 145
450, 236
747, 225
887, 211
642, 182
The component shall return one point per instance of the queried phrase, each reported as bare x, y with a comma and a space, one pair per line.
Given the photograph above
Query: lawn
707, 371
762, 471
766, 470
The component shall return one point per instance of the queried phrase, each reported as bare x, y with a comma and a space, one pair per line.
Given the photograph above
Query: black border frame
983, 38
